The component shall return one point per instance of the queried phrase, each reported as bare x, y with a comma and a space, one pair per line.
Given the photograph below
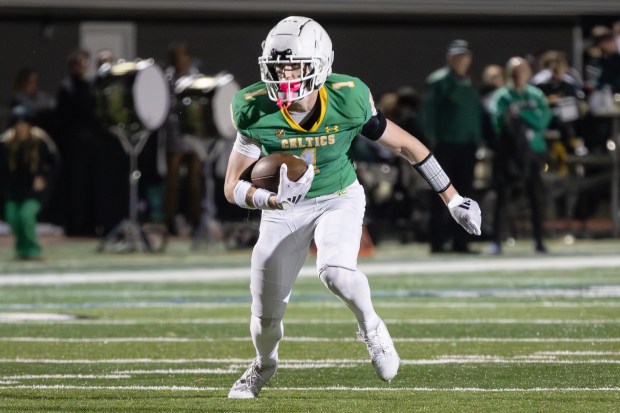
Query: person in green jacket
520, 116
452, 121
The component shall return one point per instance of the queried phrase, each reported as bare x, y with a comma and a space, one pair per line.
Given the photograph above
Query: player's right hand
291, 192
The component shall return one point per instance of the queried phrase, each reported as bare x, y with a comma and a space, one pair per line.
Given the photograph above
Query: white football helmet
296, 40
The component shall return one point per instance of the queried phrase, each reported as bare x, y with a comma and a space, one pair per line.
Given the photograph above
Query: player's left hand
291, 192
466, 212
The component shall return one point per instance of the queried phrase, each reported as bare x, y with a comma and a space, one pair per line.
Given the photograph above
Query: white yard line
378, 303
106, 340
309, 340
66, 376
21, 360
13, 318
499, 360
578, 353
482, 264
537, 304
327, 388
181, 371
323, 363
34, 317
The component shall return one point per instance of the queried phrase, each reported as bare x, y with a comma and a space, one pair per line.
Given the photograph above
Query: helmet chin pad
290, 87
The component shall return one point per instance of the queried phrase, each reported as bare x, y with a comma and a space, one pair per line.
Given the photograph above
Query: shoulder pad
248, 103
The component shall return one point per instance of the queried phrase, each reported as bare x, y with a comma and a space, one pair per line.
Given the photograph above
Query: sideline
478, 265
322, 389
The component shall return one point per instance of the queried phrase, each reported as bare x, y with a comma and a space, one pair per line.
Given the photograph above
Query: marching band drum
202, 108
133, 96
203, 105
132, 100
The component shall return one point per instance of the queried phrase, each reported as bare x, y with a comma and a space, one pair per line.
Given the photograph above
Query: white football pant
335, 223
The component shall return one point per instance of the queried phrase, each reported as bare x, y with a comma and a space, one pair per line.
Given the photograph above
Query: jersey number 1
309, 156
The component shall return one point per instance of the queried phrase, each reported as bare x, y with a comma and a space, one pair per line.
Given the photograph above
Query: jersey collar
291, 122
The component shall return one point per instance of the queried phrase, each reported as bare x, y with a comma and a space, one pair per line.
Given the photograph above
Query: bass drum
203, 105
133, 96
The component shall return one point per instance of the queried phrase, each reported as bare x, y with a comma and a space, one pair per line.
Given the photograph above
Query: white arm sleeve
246, 146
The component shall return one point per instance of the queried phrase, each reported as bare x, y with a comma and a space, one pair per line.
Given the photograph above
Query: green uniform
532, 107
451, 112
345, 105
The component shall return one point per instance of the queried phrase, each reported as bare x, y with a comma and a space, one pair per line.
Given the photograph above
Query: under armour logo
466, 204
294, 199
332, 129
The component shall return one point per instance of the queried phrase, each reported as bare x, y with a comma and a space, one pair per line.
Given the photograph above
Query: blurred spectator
28, 161
603, 67
520, 117
602, 80
388, 104
564, 95
79, 147
409, 207
452, 123
550, 62
407, 112
26, 93
492, 79
183, 151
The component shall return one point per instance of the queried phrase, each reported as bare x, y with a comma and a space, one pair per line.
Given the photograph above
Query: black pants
458, 161
532, 183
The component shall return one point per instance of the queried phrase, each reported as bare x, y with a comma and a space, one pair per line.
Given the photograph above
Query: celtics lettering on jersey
308, 142
344, 108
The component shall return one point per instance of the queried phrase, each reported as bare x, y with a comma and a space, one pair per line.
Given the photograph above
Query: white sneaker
382, 351
252, 381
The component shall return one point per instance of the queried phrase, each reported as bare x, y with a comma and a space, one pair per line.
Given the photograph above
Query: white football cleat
252, 381
382, 351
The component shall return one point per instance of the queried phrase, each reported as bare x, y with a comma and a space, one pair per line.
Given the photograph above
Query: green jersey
345, 106
533, 109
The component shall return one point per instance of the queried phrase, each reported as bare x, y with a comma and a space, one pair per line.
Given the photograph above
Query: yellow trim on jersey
252, 95
295, 125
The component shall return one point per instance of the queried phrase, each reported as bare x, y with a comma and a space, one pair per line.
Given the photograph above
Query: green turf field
482, 341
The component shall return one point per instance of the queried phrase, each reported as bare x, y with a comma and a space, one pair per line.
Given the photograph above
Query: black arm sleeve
374, 128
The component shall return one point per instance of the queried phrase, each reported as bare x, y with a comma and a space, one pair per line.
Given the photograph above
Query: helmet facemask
284, 92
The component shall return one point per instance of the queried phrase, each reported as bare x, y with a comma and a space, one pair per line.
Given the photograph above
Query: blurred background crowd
531, 133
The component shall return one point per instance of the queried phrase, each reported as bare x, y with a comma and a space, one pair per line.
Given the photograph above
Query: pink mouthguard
288, 89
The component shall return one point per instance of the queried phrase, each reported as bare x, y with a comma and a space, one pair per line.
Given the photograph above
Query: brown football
266, 172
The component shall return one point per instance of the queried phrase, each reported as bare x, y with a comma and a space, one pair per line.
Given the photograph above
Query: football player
302, 108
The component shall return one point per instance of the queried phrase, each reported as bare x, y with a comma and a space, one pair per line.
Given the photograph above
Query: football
266, 172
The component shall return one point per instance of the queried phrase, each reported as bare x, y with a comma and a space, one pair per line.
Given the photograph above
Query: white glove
291, 192
466, 212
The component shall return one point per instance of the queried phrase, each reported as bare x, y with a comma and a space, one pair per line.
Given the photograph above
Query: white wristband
432, 172
240, 192
261, 198
455, 201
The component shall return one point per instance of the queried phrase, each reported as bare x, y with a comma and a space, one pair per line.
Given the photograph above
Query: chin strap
282, 104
